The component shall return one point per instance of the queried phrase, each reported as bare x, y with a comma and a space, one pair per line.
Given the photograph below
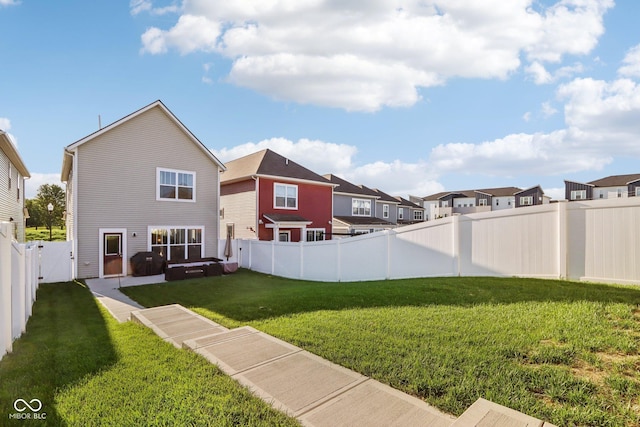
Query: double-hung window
175, 185
637, 191
482, 202
400, 213
385, 211
526, 200
285, 196
360, 207
578, 194
417, 215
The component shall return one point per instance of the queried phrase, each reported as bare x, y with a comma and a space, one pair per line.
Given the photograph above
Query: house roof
406, 203
66, 162
10, 150
384, 197
494, 192
615, 180
530, 188
344, 186
362, 220
278, 218
268, 163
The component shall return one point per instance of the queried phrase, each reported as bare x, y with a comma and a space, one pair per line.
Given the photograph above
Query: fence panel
364, 257
56, 261
321, 260
5, 288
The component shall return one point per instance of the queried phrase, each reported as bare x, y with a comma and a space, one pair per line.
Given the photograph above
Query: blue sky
412, 97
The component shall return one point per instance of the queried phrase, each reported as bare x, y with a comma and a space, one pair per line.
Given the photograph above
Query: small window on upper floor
578, 194
526, 200
285, 196
175, 185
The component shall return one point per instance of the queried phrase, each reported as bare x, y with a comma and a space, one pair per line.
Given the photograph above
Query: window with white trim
400, 213
385, 211
417, 215
445, 203
526, 200
177, 243
578, 194
315, 234
637, 191
360, 207
482, 202
285, 196
175, 185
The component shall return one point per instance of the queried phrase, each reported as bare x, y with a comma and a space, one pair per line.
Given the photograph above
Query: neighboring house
269, 197
447, 203
409, 212
13, 173
355, 209
386, 206
605, 188
142, 183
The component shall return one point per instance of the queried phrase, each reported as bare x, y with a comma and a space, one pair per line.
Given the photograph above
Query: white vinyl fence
591, 240
18, 285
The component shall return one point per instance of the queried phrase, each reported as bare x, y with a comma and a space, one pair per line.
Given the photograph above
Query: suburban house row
146, 183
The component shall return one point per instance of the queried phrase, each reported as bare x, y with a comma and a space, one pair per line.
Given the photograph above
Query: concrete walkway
118, 304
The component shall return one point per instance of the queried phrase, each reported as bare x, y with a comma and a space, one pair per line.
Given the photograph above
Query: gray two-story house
354, 209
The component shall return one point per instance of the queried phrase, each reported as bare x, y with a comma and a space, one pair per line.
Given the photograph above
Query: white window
175, 185
417, 215
619, 192
445, 203
526, 200
315, 234
285, 196
400, 213
578, 194
360, 207
482, 202
637, 191
385, 210
284, 236
177, 243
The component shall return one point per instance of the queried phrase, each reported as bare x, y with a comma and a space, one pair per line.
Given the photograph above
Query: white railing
18, 285
595, 240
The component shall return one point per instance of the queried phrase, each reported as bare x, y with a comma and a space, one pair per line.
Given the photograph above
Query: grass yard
565, 352
89, 370
42, 233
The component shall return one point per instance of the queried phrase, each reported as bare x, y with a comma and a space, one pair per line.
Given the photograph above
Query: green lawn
562, 351
87, 369
42, 233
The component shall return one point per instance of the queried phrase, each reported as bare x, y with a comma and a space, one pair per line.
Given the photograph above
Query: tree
37, 217
54, 194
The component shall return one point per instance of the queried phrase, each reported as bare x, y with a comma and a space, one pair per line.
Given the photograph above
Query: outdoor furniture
192, 268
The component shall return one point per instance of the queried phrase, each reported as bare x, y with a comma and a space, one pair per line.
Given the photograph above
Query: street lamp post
50, 210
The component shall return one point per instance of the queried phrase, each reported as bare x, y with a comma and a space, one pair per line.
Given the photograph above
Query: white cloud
37, 179
139, 6
5, 124
631, 67
367, 55
9, 2
556, 193
397, 178
526, 116
541, 76
548, 110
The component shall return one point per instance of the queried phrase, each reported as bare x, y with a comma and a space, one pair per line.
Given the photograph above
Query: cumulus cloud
37, 179
140, 6
9, 2
631, 67
539, 74
367, 55
395, 177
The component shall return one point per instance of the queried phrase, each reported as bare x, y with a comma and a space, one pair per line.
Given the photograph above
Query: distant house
355, 209
409, 212
142, 183
269, 197
604, 188
462, 202
13, 173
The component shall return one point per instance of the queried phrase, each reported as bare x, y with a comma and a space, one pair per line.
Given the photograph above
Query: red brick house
269, 197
